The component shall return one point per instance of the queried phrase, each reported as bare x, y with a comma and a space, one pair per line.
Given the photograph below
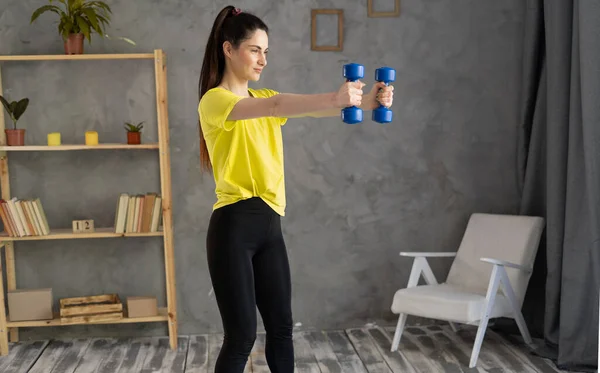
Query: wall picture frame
340, 30
373, 14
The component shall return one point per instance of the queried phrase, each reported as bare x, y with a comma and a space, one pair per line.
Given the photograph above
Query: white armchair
497, 252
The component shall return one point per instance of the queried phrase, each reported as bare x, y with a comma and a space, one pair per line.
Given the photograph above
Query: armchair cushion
447, 302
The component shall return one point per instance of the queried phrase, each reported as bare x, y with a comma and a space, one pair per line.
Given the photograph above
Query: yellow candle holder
91, 138
54, 139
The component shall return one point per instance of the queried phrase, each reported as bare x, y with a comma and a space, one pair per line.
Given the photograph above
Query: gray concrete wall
357, 195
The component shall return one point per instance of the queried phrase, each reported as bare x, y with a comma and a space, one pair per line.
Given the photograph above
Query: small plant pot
15, 137
134, 138
74, 44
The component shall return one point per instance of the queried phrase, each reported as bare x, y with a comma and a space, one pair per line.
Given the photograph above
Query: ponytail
211, 74
224, 28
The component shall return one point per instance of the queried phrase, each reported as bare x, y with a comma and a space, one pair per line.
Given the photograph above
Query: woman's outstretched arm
370, 101
290, 105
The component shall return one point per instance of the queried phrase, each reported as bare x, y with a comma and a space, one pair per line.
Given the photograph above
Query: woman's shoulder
216, 91
219, 100
215, 95
263, 92
259, 92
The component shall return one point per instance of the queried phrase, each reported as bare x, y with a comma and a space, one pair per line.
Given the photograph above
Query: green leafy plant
134, 127
79, 16
15, 108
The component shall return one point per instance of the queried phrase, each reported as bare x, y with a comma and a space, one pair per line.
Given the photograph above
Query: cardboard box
141, 306
30, 304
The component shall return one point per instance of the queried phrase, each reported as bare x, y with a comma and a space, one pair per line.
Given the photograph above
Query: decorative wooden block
340, 30
91, 138
83, 226
54, 139
373, 14
82, 310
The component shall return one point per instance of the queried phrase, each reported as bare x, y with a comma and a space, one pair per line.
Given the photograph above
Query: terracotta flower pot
15, 137
134, 138
74, 44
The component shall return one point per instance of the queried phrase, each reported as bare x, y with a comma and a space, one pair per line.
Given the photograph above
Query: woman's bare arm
321, 105
370, 101
282, 105
290, 105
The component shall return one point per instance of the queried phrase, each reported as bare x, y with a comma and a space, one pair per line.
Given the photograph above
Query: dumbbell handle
352, 73
382, 114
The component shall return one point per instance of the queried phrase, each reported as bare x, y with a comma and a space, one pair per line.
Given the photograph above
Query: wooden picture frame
340, 29
373, 14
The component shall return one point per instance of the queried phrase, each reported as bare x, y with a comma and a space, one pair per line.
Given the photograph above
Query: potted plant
134, 134
15, 109
78, 20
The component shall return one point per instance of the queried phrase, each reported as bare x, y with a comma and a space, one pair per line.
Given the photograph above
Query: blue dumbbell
386, 75
352, 73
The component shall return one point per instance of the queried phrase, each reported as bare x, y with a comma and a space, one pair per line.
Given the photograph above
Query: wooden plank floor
427, 349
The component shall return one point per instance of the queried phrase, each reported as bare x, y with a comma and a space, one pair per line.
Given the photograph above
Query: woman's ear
227, 49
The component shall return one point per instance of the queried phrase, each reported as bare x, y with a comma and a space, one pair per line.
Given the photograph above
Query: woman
240, 140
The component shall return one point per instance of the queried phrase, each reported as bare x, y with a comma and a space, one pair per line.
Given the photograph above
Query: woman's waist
246, 205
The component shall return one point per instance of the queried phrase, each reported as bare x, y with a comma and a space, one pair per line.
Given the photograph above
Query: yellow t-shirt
246, 155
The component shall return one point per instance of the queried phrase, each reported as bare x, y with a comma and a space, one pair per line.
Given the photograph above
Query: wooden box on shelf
91, 309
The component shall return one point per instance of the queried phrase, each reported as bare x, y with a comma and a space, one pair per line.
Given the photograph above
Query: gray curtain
559, 175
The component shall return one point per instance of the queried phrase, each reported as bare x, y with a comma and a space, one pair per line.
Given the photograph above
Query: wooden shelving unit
66, 234
75, 57
166, 314
46, 148
162, 316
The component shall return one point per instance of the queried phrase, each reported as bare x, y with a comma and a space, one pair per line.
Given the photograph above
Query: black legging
248, 265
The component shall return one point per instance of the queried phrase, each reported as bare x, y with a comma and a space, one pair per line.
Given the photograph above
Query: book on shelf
23, 217
138, 213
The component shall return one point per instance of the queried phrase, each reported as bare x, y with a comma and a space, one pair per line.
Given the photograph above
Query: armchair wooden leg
485, 317
420, 267
512, 299
453, 326
398, 332
413, 280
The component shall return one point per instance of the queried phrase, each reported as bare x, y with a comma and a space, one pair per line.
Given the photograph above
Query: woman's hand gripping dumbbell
379, 99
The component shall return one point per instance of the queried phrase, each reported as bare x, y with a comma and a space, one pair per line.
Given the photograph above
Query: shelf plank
27, 148
162, 316
62, 234
61, 57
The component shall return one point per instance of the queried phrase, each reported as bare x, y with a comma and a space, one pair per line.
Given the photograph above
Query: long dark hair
231, 25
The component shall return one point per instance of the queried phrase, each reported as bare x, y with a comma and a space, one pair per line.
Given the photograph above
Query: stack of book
23, 217
138, 213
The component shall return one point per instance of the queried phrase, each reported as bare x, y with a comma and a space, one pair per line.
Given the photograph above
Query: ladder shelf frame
166, 314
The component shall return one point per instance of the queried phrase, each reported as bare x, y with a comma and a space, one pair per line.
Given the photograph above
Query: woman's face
248, 61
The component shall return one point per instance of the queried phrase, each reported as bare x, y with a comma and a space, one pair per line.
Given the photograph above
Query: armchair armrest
504, 263
416, 254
